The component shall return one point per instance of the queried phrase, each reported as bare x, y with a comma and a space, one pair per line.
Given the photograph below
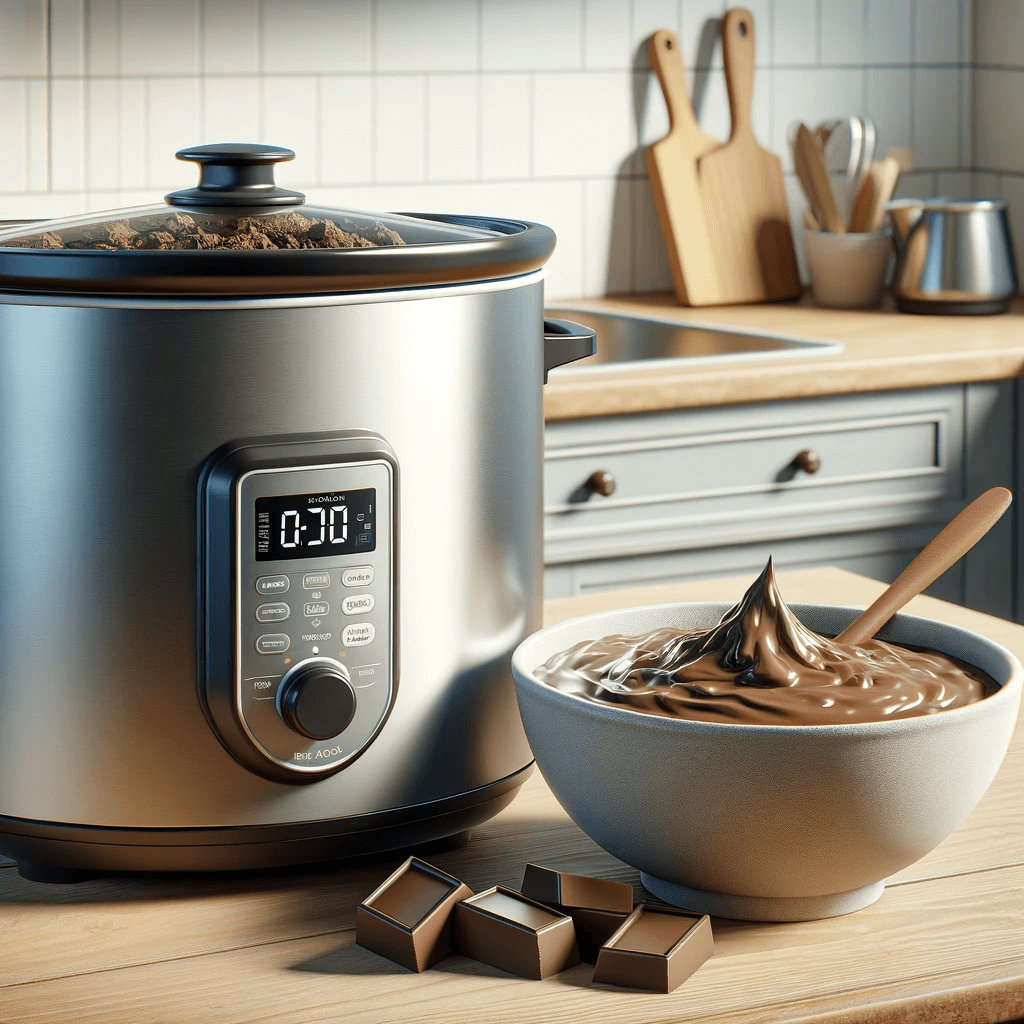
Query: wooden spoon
813, 175
948, 546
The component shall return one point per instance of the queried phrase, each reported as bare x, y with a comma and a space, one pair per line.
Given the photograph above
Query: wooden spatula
946, 548
875, 191
672, 168
814, 179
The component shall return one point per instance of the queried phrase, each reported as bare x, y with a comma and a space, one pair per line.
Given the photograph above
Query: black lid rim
521, 247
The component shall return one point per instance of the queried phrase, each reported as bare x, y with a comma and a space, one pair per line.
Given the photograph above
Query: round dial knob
317, 699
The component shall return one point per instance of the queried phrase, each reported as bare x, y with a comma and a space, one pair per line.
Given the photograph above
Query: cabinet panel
695, 478
706, 492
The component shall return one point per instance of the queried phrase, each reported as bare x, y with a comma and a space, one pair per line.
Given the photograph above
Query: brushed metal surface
953, 251
107, 413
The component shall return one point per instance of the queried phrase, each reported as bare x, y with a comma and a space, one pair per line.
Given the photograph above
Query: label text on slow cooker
308, 755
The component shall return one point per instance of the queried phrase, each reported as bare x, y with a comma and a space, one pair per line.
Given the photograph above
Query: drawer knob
807, 461
601, 482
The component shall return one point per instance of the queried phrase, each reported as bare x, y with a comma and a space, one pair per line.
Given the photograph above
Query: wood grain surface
884, 351
743, 189
944, 944
675, 187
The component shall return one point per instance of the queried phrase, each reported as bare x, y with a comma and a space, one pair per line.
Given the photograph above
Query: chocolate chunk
597, 906
568, 890
656, 949
503, 928
408, 918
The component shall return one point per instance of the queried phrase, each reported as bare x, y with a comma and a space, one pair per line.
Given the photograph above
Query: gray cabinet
703, 492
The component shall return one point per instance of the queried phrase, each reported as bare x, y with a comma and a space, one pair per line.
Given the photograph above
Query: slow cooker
270, 480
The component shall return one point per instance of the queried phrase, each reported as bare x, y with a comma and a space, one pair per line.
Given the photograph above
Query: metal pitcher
954, 256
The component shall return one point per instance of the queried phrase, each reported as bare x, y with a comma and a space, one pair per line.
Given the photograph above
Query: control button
311, 608
316, 580
357, 603
365, 538
360, 576
272, 584
276, 612
273, 643
357, 635
317, 699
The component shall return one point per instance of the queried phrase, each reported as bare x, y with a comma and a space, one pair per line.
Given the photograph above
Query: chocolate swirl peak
761, 665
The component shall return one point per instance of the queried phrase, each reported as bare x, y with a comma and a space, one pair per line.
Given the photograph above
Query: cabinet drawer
727, 475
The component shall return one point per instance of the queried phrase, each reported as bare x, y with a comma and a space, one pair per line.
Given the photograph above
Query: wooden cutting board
672, 169
742, 186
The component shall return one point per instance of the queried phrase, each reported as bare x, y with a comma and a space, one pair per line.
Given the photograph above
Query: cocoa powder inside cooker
176, 230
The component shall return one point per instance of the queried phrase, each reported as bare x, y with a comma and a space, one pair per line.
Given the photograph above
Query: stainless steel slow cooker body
137, 572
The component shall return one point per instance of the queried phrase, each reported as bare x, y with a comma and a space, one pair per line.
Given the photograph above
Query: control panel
298, 596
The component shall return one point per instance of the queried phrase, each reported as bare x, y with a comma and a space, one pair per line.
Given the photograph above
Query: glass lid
238, 232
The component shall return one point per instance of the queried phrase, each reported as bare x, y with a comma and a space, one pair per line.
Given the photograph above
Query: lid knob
235, 174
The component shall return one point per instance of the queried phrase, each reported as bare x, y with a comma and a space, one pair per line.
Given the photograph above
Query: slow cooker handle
565, 342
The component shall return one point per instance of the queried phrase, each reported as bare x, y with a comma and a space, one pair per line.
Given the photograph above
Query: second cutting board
722, 207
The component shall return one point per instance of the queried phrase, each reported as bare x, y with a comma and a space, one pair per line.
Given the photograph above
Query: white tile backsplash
230, 37
102, 43
999, 33
231, 108
606, 23
526, 108
531, 35
888, 31
346, 128
409, 36
999, 132
602, 100
937, 29
400, 137
328, 36
172, 123
159, 38
506, 127
843, 28
453, 127
13, 125
67, 37
889, 101
936, 100
23, 48
607, 236
67, 135
795, 32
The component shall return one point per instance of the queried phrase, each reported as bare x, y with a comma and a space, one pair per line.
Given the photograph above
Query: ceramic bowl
765, 822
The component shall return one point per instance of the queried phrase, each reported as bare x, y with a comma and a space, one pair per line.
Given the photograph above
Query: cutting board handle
667, 61
738, 55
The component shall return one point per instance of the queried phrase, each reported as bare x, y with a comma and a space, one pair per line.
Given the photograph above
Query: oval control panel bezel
291, 464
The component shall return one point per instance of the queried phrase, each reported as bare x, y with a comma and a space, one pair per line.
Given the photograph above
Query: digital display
314, 525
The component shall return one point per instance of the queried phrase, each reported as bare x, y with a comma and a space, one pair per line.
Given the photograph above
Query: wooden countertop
945, 943
885, 350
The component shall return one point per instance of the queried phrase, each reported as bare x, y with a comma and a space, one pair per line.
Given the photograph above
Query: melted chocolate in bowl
761, 666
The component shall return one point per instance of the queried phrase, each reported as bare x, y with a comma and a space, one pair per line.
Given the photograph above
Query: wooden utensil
813, 175
875, 191
947, 547
843, 159
743, 189
672, 168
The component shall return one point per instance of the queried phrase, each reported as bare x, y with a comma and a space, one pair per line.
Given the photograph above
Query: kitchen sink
623, 339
